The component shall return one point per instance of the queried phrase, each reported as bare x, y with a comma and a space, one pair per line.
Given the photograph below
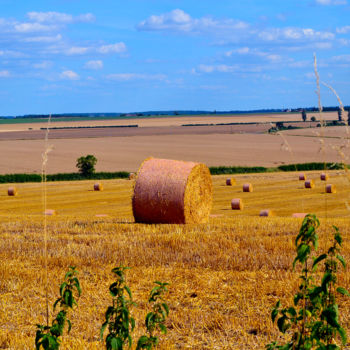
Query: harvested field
171, 121
224, 276
127, 153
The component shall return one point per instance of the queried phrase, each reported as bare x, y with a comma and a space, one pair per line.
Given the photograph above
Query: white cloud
331, 2
294, 34
112, 48
222, 68
343, 30
43, 65
178, 20
98, 64
76, 50
4, 73
135, 76
59, 17
33, 27
69, 75
43, 39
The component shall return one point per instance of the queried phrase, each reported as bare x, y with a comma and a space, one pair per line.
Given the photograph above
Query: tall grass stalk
47, 150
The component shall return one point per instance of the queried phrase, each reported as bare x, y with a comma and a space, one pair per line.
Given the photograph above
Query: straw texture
247, 188
237, 204
309, 184
266, 212
230, 181
12, 191
302, 177
324, 177
98, 186
331, 188
172, 192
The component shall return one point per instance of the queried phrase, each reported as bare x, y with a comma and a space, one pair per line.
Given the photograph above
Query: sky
71, 56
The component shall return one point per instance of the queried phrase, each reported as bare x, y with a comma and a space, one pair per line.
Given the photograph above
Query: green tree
303, 115
340, 115
86, 165
313, 118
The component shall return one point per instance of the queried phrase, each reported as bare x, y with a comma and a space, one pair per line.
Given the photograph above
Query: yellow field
224, 276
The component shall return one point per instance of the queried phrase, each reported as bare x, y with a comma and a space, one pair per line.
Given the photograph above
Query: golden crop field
224, 276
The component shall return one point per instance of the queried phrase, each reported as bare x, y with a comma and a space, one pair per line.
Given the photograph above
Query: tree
313, 118
86, 165
303, 115
340, 113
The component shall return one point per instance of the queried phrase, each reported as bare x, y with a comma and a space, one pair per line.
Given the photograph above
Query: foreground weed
314, 318
155, 320
118, 318
47, 336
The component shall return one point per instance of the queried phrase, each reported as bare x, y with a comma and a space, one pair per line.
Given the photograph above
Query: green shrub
48, 337
313, 320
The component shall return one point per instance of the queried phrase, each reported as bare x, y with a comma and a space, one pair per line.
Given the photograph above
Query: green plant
313, 320
303, 115
155, 320
313, 118
47, 337
118, 318
86, 165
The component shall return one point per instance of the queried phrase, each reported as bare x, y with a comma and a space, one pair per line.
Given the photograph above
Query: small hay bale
247, 188
237, 204
172, 192
309, 184
12, 191
324, 176
50, 212
132, 176
299, 215
98, 186
266, 212
302, 177
331, 188
230, 181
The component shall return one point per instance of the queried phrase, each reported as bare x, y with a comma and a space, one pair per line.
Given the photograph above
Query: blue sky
59, 56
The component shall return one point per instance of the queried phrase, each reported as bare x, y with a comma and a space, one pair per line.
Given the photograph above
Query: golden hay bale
50, 212
331, 188
230, 181
309, 184
247, 188
172, 192
237, 204
324, 176
299, 215
12, 191
98, 186
302, 177
266, 212
132, 176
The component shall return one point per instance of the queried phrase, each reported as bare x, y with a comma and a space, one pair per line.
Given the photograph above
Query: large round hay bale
12, 191
172, 192
230, 181
324, 176
266, 212
309, 184
331, 188
237, 204
302, 177
247, 188
299, 215
98, 186
50, 212
132, 176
